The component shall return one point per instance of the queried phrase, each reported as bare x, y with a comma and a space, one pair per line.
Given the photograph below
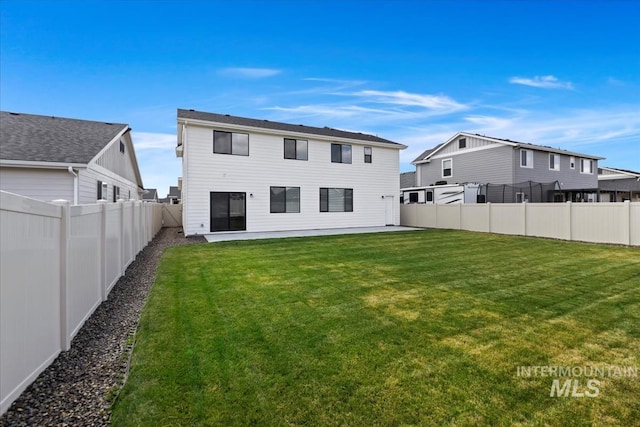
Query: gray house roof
407, 179
150, 194
174, 192
266, 124
432, 151
30, 137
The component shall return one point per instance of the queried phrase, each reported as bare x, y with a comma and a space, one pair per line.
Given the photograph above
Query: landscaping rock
78, 387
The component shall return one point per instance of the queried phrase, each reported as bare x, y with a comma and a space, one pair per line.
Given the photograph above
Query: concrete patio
243, 235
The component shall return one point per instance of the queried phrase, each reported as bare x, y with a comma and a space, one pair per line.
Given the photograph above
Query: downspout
75, 185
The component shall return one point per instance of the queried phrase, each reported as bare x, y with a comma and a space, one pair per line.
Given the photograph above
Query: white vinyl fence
617, 223
58, 263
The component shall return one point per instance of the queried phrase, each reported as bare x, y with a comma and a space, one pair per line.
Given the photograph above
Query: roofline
513, 144
619, 171
123, 132
40, 165
231, 126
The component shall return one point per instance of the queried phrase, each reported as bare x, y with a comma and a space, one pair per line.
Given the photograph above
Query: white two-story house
241, 174
510, 171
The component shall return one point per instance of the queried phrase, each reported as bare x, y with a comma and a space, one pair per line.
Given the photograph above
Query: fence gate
172, 215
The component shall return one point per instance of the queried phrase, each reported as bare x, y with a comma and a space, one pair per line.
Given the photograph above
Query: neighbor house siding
40, 184
470, 143
120, 163
567, 177
265, 166
88, 185
491, 165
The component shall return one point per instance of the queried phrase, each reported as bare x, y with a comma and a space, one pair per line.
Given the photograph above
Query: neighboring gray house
407, 179
467, 157
174, 197
49, 158
618, 185
150, 195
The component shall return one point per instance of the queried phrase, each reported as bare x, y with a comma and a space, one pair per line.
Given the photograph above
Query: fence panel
127, 234
29, 292
448, 216
508, 218
113, 236
475, 217
84, 259
600, 222
551, 220
634, 224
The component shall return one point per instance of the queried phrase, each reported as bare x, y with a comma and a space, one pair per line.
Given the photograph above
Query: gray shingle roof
425, 153
31, 137
266, 124
150, 194
428, 152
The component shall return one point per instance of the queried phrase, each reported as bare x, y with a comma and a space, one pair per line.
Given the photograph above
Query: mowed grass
390, 329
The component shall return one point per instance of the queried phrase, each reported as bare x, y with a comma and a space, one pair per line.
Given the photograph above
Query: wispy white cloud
153, 141
250, 73
545, 82
431, 102
157, 160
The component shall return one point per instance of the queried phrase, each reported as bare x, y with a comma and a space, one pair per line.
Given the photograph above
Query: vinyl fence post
120, 203
627, 221
65, 233
570, 213
103, 249
489, 207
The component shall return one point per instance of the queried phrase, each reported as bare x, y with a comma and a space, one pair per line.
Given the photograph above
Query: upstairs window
285, 199
368, 151
586, 166
336, 200
340, 153
526, 159
230, 143
447, 168
554, 162
122, 147
462, 143
116, 193
572, 162
296, 149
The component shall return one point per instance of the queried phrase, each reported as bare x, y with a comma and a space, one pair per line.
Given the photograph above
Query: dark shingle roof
266, 124
35, 138
150, 194
173, 192
426, 153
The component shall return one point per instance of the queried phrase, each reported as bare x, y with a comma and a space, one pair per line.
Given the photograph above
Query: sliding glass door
228, 211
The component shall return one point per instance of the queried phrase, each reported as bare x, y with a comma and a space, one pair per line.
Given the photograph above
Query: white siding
472, 142
88, 184
40, 184
121, 164
205, 171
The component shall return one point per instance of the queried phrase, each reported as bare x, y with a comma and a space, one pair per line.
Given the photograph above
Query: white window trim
556, 163
442, 168
572, 162
591, 168
522, 150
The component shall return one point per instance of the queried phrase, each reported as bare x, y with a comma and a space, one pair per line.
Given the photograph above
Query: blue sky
559, 73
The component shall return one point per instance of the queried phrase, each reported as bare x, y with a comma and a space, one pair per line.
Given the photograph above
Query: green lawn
409, 328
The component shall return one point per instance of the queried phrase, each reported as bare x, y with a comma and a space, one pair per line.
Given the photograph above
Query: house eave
40, 165
252, 129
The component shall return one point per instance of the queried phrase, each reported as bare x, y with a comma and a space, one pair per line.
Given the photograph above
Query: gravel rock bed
79, 386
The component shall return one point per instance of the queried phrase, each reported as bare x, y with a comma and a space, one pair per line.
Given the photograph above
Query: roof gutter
75, 184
